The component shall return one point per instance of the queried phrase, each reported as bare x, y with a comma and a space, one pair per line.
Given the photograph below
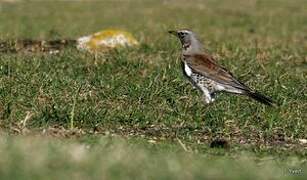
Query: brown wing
204, 64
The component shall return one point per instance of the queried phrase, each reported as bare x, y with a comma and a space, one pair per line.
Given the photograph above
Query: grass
141, 94
116, 158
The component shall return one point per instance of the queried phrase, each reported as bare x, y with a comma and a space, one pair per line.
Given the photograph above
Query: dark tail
261, 98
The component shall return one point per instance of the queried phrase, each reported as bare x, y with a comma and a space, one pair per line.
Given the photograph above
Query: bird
206, 75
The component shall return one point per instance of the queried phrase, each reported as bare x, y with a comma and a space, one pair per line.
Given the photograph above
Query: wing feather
205, 65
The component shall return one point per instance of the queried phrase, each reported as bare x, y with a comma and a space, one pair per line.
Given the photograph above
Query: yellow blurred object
106, 39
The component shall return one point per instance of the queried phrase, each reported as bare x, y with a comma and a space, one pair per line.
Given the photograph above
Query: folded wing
204, 64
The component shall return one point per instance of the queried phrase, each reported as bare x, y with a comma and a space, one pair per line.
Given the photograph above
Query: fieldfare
206, 75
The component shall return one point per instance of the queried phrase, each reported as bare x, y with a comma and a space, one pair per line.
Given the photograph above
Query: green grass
141, 92
115, 158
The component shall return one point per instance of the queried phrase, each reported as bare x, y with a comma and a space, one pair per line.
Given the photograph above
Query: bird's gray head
189, 41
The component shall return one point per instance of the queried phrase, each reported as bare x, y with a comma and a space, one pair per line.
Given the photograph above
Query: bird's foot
208, 100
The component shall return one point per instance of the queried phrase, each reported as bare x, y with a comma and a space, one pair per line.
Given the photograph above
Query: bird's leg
207, 96
206, 99
212, 97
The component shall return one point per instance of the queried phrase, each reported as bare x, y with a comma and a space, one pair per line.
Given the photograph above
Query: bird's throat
186, 46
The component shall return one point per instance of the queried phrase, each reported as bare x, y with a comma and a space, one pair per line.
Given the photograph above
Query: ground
110, 115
